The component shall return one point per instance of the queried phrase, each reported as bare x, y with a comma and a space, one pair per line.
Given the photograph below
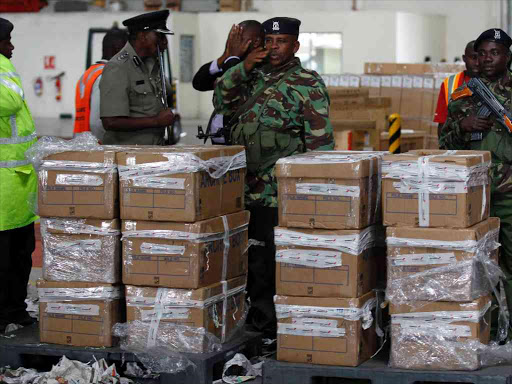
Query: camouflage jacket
497, 140
295, 119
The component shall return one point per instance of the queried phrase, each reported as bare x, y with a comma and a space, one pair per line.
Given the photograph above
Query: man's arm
318, 133
204, 80
227, 94
115, 104
452, 135
11, 100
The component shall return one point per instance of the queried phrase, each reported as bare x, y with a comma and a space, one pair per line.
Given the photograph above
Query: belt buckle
476, 136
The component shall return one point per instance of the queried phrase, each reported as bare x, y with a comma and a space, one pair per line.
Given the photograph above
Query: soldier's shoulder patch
461, 92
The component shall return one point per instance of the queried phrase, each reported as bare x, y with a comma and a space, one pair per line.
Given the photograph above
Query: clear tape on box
150, 248
161, 345
94, 257
49, 295
331, 189
149, 174
354, 244
321, 321
49, 145
424, 177
448, 279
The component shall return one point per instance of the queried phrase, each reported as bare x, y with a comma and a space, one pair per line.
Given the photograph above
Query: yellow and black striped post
395, 125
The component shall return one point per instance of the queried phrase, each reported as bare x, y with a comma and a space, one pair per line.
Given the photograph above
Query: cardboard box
172, 183
329, 190
79, 184
209, 307
458, 192
334, 338
327, 263
423, 338
347, 96
380, 68
81, 250
411, 101
391, 86
359, 135
79, 314
376, 109
181, 255
428, 264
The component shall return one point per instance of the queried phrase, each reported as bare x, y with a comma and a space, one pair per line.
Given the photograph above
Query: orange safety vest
451, 84
83, 97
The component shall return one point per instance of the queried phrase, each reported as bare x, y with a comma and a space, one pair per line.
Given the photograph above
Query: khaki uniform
131, 87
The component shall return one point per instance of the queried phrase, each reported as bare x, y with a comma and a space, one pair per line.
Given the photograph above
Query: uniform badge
497, 34
122, 56
275, 26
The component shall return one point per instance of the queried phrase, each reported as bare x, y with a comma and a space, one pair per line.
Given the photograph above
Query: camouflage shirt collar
268, 70
505, 81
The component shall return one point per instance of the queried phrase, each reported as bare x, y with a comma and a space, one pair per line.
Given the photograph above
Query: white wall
418, 36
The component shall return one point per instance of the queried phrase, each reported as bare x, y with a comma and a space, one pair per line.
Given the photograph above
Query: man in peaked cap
132, 109
464, 129
18, 181
270, 95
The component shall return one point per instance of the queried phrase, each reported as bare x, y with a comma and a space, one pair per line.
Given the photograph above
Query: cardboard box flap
330, 164
474, 233
235, 221
480, 304
81, 226
90, 156
66, 290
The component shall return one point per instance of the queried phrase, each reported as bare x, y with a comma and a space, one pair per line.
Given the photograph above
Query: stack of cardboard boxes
327, 256
80, 296
185, 239
442, 253
184, 244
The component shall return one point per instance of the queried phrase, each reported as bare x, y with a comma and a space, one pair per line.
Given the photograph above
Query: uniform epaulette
461, 92
123, 56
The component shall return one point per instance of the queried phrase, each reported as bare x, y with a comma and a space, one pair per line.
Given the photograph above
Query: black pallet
25, 350
376, 371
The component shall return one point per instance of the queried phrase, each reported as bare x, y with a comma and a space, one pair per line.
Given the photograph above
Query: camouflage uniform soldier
465, 130
281, 109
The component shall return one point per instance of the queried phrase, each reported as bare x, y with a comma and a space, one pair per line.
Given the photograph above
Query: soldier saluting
280, 109
464, 129
132, 110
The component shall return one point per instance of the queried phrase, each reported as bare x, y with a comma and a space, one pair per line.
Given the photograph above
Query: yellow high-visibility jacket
18, 179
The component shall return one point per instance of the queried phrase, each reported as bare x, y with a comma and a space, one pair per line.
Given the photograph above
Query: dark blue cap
495, 34
6, 28
152, 21
281, 26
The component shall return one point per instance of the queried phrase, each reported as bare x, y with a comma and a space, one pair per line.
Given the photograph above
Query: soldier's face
470, 58
282, 48
6, 47
492, 59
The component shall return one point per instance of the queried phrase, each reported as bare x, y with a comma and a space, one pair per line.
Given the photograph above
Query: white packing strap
161, 249
484, 194
73, 309
309, 258
77, 226
413, 327
327, 189
332, 157
309, 330
224, 310
167, 313
155, 320
354, 244
178, 235
423, 259
94, 293
77, 246
182, 162
423, 195
78, 179
171, 301
416, 185
488, 242
226, 247
160, 182
82, 166
445, 316
284, 311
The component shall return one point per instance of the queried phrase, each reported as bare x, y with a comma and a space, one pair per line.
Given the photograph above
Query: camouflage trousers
501, 206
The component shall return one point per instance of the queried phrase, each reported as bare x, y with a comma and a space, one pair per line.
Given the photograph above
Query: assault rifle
490, 105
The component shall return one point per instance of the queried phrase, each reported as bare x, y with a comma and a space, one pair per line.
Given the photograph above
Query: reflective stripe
82, 86
13, 163
14, 126
13, 86
18, 140
11, 75
84, 79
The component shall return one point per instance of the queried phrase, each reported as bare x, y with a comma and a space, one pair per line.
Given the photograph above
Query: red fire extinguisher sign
49, 62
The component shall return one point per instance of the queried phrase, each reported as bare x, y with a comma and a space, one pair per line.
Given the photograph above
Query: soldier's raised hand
476, 123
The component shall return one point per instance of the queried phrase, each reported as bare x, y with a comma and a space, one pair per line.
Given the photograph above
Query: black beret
497, 35
281, 26
6, 28
152, 21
